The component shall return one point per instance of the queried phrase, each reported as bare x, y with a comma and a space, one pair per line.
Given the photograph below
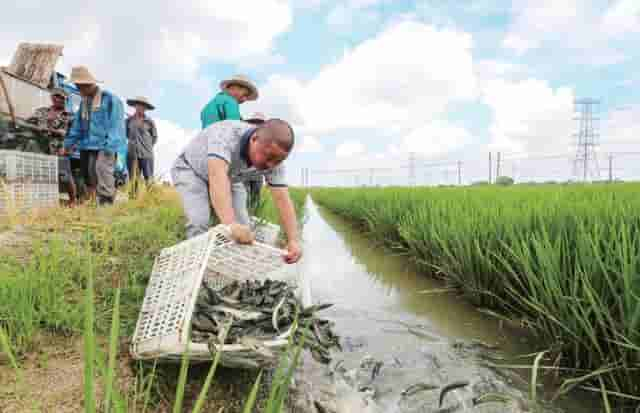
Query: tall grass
564, 260
87, 278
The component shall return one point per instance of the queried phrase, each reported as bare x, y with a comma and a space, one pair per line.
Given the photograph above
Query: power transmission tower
587, 140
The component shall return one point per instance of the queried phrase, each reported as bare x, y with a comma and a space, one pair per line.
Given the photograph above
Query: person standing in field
142, 136
98, 132
228, 153
254, 186
53, 122
226, 104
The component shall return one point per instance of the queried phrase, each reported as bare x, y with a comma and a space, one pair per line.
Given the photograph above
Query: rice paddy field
561, 260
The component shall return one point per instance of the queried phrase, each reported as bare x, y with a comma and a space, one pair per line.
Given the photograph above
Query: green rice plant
253, 395
563, 259
113, 350
6, 349
89, 346
67, 287
182, 378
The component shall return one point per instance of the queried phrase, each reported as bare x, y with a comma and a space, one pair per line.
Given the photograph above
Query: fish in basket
209, 294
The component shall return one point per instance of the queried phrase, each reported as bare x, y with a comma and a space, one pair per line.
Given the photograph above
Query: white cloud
436, 139
309, 144
582, 29
279, 98
622, 17
529, 116
171, 141
535, 22
168, 41
380, 85
620, 130
349, 148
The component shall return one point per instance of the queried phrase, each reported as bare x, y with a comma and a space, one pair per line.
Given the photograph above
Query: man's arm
288, 219
74, 132
220, 190
115, 126
154, 132
231, 110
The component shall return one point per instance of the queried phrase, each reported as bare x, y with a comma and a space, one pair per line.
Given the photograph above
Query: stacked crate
27, 181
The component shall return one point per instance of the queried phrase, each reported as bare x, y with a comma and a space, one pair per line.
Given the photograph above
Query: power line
586, 159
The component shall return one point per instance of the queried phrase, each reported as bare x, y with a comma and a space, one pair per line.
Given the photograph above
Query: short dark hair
275, 127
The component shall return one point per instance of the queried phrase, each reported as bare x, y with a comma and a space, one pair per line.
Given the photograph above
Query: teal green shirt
222, 107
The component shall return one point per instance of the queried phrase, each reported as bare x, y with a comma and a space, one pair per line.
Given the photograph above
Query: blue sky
366, 82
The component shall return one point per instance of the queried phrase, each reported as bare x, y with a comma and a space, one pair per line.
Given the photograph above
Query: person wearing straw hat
53, 122
142, 136
256, 118
226, 104
98, 132
254, 185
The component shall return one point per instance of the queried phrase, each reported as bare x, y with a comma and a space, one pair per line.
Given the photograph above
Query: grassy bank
563, 260
48, 260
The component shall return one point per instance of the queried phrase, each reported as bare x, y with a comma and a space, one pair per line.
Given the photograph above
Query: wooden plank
5, 93
35, 62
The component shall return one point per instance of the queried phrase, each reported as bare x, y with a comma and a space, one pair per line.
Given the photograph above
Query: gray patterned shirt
142, 136
228, 140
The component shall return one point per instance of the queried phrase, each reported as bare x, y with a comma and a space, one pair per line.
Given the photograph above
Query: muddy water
435, 339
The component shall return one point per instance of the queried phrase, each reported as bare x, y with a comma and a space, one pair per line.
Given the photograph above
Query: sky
370, 84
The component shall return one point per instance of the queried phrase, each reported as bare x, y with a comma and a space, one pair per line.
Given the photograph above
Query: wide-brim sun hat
141, 100
80, 75
258, 117
243, 81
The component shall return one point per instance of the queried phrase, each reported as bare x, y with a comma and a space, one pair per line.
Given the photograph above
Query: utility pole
489, 167
587, 140
498, 166
371, 177
610, 168
459, 173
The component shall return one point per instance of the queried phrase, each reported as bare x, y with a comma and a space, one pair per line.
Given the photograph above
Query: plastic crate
177, 275
265, 232
27, 181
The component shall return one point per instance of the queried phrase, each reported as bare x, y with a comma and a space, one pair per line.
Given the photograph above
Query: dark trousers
144, 165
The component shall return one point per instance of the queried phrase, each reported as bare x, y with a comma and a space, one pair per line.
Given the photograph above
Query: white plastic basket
27, 181
164, 319
265, 231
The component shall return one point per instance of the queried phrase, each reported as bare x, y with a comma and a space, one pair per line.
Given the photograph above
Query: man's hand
294, 252
241, 234
58, 132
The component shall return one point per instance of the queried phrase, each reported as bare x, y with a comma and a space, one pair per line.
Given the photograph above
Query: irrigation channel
398, 339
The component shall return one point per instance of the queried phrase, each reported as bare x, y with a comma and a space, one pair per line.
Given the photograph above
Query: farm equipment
26, 85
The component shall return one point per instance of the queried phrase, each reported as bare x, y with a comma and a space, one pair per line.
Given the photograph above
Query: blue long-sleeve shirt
105, 129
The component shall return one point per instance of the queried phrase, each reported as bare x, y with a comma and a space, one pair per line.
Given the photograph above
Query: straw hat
80, 75
141, 100
256, 117
243, 81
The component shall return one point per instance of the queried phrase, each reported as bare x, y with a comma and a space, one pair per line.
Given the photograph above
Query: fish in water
450, 387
